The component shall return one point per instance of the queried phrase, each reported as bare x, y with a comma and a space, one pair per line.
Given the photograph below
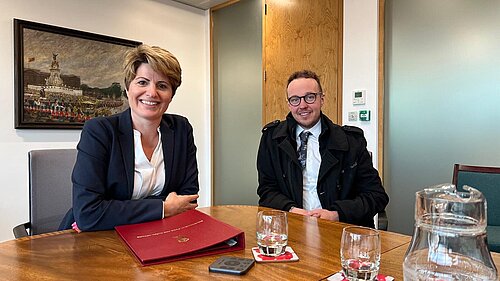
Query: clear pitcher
449, 239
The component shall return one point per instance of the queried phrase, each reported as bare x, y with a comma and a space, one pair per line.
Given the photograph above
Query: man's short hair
304, 74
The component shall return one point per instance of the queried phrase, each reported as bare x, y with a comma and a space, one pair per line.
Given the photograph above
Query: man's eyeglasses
309, 98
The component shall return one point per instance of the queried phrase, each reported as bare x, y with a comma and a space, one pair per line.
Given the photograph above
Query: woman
139, 165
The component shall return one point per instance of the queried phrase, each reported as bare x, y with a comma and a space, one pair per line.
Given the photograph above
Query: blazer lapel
167, 142
126, 139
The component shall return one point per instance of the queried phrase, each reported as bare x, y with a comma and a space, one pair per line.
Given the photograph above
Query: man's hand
176, 204
75, 227
300, 211
325, 214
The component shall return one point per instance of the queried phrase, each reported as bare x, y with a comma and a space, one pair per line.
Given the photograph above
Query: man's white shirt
310, 173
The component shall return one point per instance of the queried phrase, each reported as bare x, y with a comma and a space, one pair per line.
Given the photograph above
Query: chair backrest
380, 219
50, 187
484, 179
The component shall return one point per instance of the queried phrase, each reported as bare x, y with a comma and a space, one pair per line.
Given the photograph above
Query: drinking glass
360, 253
272, 232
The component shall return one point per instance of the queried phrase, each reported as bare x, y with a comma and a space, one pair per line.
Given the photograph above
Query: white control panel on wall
358, 97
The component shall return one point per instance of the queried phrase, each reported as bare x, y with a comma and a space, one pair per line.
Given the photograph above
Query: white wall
181, 29
361, 65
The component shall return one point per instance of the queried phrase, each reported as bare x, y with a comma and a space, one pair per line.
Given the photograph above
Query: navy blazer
103, 176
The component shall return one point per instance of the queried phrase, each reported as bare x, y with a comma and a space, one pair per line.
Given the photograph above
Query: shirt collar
315, 130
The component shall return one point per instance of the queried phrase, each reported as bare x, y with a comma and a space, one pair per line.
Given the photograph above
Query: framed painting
64, 77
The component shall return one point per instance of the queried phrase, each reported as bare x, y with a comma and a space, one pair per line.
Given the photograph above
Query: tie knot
304, 136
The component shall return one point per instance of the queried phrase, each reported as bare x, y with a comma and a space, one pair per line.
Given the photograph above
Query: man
308, 165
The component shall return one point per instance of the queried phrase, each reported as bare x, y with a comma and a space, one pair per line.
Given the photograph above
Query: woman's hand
176, 204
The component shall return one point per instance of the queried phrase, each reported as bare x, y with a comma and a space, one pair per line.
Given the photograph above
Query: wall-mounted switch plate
352, 116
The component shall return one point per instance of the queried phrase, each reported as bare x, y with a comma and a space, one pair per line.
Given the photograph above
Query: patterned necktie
302, 153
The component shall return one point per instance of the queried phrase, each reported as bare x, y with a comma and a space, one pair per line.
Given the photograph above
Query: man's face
307, 115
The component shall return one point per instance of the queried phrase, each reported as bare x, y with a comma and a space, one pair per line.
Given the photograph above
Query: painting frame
49, 98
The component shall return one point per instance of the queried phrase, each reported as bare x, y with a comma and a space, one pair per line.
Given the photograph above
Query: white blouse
149, 176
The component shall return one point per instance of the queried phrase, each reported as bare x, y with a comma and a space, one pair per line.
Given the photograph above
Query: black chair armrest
383, 222
21, 230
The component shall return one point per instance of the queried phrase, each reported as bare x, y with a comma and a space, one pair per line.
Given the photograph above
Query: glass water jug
449, 239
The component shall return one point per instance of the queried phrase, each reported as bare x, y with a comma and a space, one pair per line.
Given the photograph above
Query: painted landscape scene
68, 80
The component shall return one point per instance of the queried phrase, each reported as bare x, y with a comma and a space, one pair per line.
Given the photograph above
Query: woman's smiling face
149, 94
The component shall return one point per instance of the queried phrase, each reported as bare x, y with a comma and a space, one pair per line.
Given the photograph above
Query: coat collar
332, 141
335, 137
334, 134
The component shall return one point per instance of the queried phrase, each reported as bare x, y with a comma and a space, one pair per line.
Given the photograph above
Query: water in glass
358, 269
272, 232
360, 253
272, 244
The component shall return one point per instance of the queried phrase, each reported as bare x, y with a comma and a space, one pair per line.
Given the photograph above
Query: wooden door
302, 34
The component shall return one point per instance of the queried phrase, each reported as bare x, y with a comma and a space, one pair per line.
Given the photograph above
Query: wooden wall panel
302, 34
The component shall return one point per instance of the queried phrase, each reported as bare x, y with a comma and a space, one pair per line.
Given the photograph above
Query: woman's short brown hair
160, 60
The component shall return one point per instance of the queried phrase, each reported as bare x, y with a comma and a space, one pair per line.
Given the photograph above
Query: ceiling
201, 4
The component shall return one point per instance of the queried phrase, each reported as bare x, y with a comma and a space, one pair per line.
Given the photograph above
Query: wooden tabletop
101, 255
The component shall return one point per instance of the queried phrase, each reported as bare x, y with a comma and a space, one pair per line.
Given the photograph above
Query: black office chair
381, 221
486, 180
50, 190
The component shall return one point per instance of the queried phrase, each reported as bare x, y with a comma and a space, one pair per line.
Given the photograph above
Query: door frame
381, 87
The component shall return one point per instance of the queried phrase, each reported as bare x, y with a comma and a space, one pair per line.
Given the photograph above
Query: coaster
339, 276
288, 256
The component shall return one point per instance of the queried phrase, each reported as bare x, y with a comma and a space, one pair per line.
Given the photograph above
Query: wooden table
101, 255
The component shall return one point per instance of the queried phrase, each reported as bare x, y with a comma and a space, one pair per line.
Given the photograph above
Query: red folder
186, 235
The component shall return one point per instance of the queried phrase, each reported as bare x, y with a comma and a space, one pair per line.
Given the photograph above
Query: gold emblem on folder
181, 239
